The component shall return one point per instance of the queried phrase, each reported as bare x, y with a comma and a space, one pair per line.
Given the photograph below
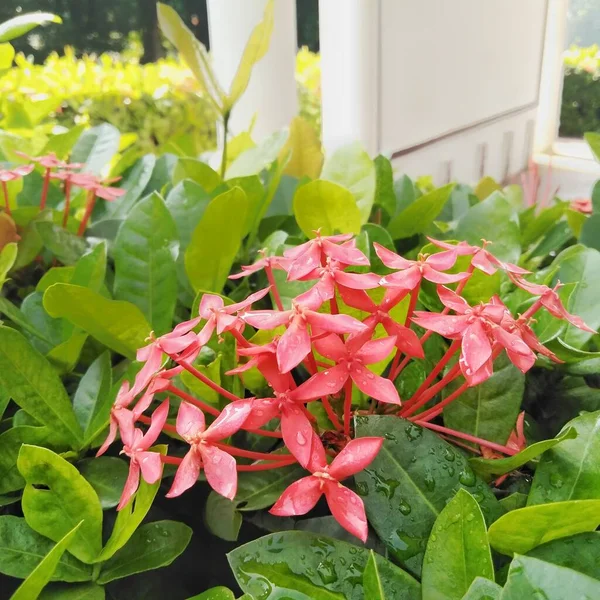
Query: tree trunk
150, 34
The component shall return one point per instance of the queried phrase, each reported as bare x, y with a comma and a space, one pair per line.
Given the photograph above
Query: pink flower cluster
343, 356
69, 174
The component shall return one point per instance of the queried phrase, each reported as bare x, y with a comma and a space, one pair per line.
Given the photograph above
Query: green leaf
152, 546
260, 157
41, 575
384, 188
372, 584
69, 499
197, 171
590, 229
592, 138
22, 549
221, 517
408, 484
514, 501
306, 158
483, 589
96, 147
8, 256
352, 168
486, 467
18, 26
326, 206
66, 246
119, 325
578, 552
7, 55
457, 551
85, 591
92, 401
532, 578
486, 187
216, 240
187, 202
496, 221
35, 386
420, 214
216, 593
581, 265
489, 410
302, 565
542, 223
255, 49
145, 251
570, 471
62, 143
131, 515
107, 475
521, 530
90, 269
135, 183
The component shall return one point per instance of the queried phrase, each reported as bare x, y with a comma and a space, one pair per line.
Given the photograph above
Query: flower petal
334, 323
131, 485
263, 410
267, 319
230, 421
437, 277
150, 465
297, 433
357, 299
187, 473
293, 346
450, 299
331, 346
376, 350
391, 259
346, 253
442, 261
207, 331
357, 281
377, 387
305, 262
323, 383
299, 498
356, 456
110, 438
209, 303
190, 421
348, 509
405, 280
476, 348
157, 421
220, 470
407, 340
318, 458
255, 297
449, 326
175, 345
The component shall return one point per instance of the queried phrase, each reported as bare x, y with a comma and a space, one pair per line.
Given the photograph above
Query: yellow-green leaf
306, 159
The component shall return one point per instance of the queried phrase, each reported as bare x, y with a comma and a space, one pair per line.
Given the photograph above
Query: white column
271, 97
548, 117
349, 43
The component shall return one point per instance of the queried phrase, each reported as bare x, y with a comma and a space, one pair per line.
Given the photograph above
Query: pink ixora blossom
219, 467
411, 272
272, 262
345, 505
48, 161
16, 173
136, 445
295, 344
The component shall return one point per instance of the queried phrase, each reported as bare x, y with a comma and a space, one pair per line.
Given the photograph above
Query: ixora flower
7, 175
345, 505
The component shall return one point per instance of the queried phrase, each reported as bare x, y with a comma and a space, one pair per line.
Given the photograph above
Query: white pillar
551, 82
350, 73
271, 97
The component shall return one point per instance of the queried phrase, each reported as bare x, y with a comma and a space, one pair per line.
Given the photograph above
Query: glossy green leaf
216, 593
419, 215
260, 157
542, 223
119, 325
197, 171
372, 584
307, 566
255, 49
457, 550
486, 467
84, 591
152, 546
7, 55
489, 410
22, 24
571, 470
384, 187
22, 549
483, 589
496, 221
35, 386
41, 575
130, 516
96, 147
90, 269
145, 252
8, 256
352, 168
216, 240
221, 517
135, 183
66, 246
306, 158
409, 483
578, 552
523, 529
486, 187
107, 475
533, 578
69, 499
326, 206
92, 401
514, 501
581, 265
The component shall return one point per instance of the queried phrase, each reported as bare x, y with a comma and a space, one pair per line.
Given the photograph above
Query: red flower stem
454, 347
325, 365
250, 454
461, 284
414, 296
436, 410
266, 466
467, 437
170, 460
45, 189
394, 369
265, 433
211, 410
89, 207
531, 310
461, 444
204, 379
312, 363
333, 306
67, 209
147, 421
347, 405
241, 340
431, 392
273, 284
6, 202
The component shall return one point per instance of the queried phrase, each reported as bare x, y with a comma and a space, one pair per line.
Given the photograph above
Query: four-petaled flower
219, 467
16, 173
345, 505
